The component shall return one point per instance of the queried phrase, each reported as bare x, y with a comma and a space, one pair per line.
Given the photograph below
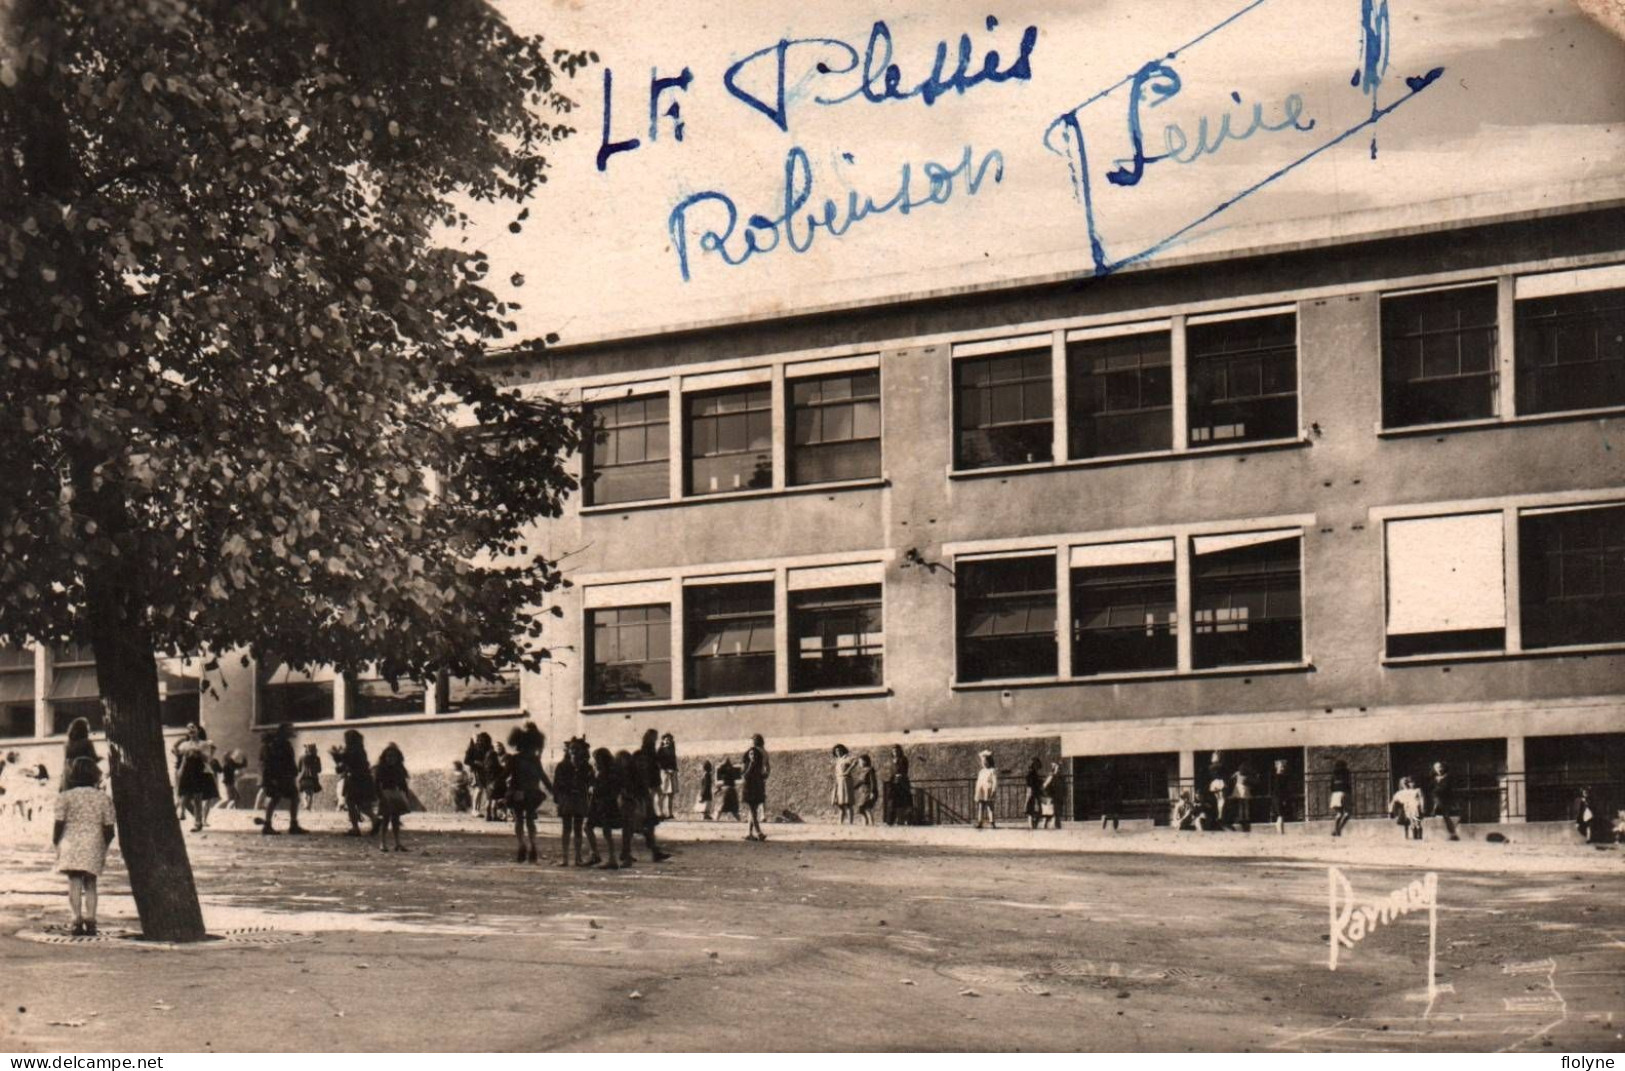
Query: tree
234, 344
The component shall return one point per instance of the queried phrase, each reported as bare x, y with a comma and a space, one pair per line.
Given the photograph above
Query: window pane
1571, 565
1438, 353
1232, 396
1124, 618
1004, 410
731, 639
1571, 352
469, 694
1007, 618
625, 458
1247, 603
377, 698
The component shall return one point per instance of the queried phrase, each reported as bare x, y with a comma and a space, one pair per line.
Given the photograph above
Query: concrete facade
1337, 480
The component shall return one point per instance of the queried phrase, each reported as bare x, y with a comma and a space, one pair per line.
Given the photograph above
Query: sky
1526, 112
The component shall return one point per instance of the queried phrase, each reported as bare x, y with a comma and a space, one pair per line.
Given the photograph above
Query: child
1054, 786
868, 790
1407, 808
391, 780
1341, 800
605, 808
527, 783
462, 799
840, 796
572, 791
702, 803
84, 829
728, 778
1185, 817
1619, 827
666, 758
310, 775
987, 790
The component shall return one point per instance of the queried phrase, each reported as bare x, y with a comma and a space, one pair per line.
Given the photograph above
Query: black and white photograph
1033, 526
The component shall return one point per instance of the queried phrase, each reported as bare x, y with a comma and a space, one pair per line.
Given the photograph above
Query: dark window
1120, 395
730, 441
730, 640
1247, 603
835, 428
1124, 618
16, 691
290, 695
628, 453
631, 654
179, 688
839, 638
1572, 576
1007, 618
1243, 378
470, 693
74, 692
375, 697
1006, 410
1571, 352
1438, 357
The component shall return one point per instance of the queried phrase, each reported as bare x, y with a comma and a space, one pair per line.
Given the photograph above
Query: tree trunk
149, 833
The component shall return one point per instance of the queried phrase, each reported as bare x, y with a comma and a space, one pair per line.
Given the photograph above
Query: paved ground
796, 944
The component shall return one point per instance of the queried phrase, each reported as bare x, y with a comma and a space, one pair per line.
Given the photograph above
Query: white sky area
1528, 114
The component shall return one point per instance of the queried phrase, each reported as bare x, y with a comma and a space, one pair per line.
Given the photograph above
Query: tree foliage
240, 328
231, 325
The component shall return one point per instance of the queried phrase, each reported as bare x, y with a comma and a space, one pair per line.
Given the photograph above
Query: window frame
590, 466
861, 649
793, 410
591, 694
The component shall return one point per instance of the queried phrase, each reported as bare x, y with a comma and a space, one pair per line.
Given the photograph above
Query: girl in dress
1241, 799
1050, 806
84, 829
868, 790
1032, 807
728, 778
572, 791
666, 758
987, 790
756, 773
462, 800
360, 793
192, 781
496, 784
1111, 798
1280, 795
702, 803
841, 796
310, 775
1407, 808
392, 783
605, 807
527, 782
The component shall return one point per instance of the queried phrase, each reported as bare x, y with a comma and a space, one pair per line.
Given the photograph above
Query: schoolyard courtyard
903, 941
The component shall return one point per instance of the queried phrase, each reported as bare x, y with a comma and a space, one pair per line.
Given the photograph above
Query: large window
730, 440
838, 638
835, 428
1247, 599
1124, 608
74, 692
458, 694
371, 696
1120, 395
631, 654
294, 695
1243, 379
1445, 587
1439, 357
1570, 351
16, 691
628, 454
729, 634
1572, 576
180, 689
1007, 618
1005, 410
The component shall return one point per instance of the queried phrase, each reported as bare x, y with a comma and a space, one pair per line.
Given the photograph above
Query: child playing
310, 776
462, 798
392, 780
1407, 808
604, 811
84, 829
868, 791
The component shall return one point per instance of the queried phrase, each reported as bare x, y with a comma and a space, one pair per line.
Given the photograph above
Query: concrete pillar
1187, 768
42, 686
1181, 400
1514, 799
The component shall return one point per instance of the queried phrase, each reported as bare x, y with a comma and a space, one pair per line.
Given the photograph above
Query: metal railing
952, 801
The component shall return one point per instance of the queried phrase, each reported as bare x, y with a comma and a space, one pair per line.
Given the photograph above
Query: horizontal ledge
738, 700
1217, 450
1518, 420
9, 742
1119, 678
735, 496
1578, 650
495, 714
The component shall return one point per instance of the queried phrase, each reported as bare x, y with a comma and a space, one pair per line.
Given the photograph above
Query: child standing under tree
84, 829
392, 781
310, 776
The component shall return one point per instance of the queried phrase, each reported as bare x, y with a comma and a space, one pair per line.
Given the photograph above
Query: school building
1358, 500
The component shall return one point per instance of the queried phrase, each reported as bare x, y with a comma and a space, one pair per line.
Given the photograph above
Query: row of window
1440, 365
66, 689
1445, 595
